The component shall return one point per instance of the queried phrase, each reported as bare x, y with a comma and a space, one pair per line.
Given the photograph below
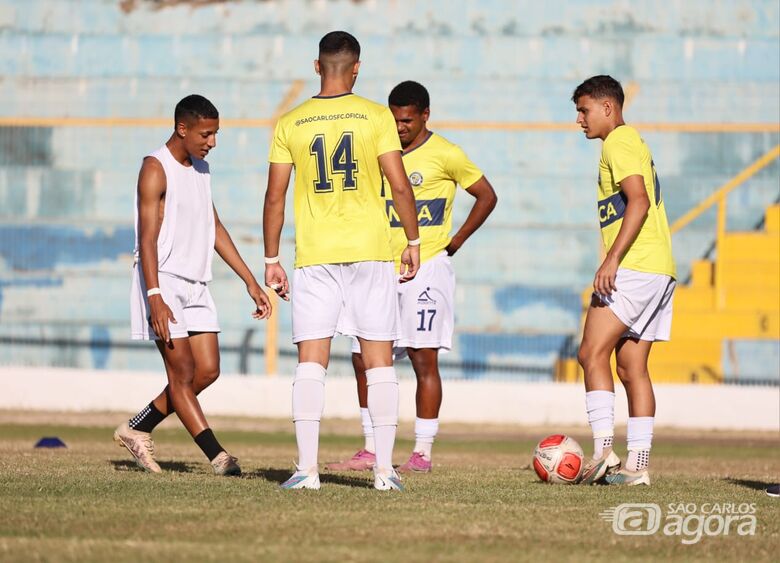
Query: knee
208, 375
631, 373
183, 375
587, 356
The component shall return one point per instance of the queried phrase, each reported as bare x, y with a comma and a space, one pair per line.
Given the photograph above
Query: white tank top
185, 246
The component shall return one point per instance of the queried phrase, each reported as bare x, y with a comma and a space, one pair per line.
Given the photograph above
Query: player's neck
178, 151
330, 87
418, 140
617, 123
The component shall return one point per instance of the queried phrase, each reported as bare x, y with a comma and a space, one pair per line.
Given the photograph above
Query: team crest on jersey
425, 299
416, 179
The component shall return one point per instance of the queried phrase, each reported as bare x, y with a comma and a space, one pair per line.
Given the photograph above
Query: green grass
482, 503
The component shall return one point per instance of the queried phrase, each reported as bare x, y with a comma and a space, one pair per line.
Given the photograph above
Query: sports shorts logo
425, 299
416, 179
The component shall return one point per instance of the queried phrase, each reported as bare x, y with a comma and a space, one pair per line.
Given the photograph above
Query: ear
608, 107
181, 129
426, 114
356, 69
317, 66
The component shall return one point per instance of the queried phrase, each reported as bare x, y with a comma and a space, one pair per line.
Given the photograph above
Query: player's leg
425, 362
365, 458
631, 355
601, 334
308, 402
180, 365
382, 400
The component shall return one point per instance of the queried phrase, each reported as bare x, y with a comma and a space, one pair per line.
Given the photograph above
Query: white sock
425, 430
308, 401
601, 417
368, 430
383, 407
640, 439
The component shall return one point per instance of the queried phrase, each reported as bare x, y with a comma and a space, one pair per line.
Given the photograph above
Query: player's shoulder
623, 134
368, 105
443, 147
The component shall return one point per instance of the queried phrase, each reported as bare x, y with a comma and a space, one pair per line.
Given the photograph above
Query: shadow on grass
750, 484
127, 465
279, 476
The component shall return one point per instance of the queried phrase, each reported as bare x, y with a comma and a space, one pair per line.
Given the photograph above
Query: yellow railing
720, 198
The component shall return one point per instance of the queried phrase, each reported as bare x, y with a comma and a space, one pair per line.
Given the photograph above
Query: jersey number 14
341, 162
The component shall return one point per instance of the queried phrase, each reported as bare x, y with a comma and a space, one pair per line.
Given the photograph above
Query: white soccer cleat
308, 479
139, 444
387, 480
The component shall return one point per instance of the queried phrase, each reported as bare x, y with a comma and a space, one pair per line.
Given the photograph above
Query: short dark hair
599, 87
193, 108
410, 93
337, 42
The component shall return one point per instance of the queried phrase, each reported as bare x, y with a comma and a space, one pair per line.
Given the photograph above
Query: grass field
482, 503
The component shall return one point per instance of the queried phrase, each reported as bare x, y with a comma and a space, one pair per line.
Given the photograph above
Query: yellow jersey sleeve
280, 152
461, 169
387, 135
622, 151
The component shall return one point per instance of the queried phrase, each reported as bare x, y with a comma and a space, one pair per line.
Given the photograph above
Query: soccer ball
558, 459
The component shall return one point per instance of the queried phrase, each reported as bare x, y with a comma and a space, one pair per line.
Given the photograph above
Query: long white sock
368, 430
639, 433
425, 430
308, 402
383, 407
601, 417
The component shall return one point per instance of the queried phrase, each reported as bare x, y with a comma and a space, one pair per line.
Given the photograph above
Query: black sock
208, 443
147, 419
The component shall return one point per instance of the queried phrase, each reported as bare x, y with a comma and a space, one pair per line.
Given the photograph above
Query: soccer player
177, 230
435, 167
631, 305
344, 280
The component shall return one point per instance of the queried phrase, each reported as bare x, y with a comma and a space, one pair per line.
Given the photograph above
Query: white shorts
354, 299
643, 302
427, 308
189, 301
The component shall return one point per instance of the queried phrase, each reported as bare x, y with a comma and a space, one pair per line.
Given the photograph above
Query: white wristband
415, 242
274, 260
153, 291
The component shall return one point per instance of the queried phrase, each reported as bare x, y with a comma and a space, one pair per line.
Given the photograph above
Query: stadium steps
701, 329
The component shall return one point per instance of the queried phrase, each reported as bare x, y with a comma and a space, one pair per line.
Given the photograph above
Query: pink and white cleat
361, 461
416, 464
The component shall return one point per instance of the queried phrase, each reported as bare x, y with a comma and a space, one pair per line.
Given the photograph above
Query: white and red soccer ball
558, 459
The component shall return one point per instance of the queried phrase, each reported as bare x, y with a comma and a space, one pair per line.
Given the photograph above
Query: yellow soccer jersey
334, 143
434, 168
625, 154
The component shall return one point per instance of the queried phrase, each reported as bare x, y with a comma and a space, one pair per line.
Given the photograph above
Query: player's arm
151, 190
404, 204
224, 246
485, 202
273, 221
637, 205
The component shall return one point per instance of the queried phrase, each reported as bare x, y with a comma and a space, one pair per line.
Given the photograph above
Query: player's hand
276, 279
262, 303
604, 282
410, 263
159, 315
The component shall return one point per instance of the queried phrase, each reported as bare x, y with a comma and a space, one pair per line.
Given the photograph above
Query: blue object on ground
50, 442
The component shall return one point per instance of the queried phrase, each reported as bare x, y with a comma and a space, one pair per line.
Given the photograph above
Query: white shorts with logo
643, 302
353, 299
189, 301
427, 308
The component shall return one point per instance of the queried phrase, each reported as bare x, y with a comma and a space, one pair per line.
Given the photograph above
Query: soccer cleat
416, 464
309, 479
773, 490
139, 444
387, 480
225, 465
361, 461
630, 478
597, 468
